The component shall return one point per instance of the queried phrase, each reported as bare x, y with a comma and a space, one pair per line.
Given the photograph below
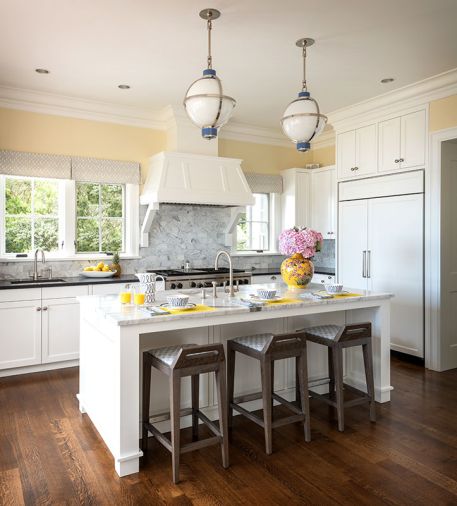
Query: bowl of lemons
100, 270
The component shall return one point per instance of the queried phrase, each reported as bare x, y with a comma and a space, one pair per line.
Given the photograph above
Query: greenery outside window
253, 228
100, 219
31, 215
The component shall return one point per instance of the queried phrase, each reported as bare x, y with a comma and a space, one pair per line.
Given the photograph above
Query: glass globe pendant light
205, 102
302, 121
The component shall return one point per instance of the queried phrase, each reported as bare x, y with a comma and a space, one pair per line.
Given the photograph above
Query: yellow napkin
284, 301
340, 295
199, 308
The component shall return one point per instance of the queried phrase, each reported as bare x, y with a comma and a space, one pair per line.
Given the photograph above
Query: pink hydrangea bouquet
300, 240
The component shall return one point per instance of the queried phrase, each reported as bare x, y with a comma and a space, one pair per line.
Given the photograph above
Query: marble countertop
108, 306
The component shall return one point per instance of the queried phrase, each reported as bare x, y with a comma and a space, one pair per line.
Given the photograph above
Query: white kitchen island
113, 338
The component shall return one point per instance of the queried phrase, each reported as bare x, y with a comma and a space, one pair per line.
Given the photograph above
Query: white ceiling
159, 48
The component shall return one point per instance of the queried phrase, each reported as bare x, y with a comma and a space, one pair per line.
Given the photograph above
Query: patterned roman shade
264, 183
104, 171
18, 163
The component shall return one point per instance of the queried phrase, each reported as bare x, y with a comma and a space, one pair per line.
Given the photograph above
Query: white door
448, 295
346, 154
413, 131
395, 264
365, 151
352, 243
60, 330
389, 145
323, 202
20, 334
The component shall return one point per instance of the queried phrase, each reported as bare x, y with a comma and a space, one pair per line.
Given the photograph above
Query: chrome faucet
35, 263
229, 258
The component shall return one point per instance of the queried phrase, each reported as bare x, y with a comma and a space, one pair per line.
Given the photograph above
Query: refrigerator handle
364, 265
369, 264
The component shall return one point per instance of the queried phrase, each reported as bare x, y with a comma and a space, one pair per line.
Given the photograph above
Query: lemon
105, 269
100, 265
87, 269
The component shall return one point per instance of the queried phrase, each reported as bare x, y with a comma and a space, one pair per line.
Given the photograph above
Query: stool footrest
363, 397
287, 404
162, 439
209, 423
287, 420
202, 443
247, 414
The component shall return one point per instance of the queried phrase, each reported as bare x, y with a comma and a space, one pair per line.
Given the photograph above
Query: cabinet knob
273, 277
356, 168
397, 160
402, 160
38, 308
322, 280
45, 308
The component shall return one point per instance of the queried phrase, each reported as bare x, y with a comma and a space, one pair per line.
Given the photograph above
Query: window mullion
32, 216
100, 218
2, 215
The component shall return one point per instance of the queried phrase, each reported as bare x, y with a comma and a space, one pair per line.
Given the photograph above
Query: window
253, 229
99, 217
31, 214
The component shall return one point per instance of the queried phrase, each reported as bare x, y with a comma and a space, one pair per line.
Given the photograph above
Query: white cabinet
110, 288
381, 249
323, 201
357, 152
20, 333
295, 198
267, 278
60, 330
323, 279
402, 142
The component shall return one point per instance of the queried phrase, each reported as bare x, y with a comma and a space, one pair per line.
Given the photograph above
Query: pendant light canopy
302, 120
205, 103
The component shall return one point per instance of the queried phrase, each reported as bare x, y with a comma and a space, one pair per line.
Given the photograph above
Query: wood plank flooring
51, 454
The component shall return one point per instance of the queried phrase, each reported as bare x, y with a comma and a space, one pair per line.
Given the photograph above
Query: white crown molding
255, 134
61, 105
412, 95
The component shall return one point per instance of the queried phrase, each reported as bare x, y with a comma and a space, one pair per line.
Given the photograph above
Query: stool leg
230, 381
337, 353
331, 374
302, 368
146, 400
368, 362
195, 381
175, 407
267, 399
222, 408
297, 382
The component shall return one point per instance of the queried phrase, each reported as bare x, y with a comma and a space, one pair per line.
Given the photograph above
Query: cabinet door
323, 202
365, 151
322, 279
352, 243
395, 245
413, 140
60, 330
346, 154
20, 334
110, 288
268, 278
389, 145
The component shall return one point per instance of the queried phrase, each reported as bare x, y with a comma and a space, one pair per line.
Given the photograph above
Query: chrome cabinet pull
397, 160
38, 308
364, 264
273, 277
402, 160
356, 168
45, 308
369, 265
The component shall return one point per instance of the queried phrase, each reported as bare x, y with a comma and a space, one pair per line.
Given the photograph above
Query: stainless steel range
179, 279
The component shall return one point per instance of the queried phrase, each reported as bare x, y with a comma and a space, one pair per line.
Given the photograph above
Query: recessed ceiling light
124, 86
42, 71
387, 80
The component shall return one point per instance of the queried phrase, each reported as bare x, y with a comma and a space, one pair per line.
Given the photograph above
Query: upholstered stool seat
336, 338
178, 362
267, 348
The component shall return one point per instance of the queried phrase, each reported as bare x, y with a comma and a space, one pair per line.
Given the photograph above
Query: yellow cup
139, 299
125, 297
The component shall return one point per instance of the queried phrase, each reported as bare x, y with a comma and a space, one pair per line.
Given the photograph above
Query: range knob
221, 284
246, 281
193, 284
208, 284
173, 286
179, 285
200, 285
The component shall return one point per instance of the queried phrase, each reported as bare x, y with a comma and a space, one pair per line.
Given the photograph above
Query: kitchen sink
36, 281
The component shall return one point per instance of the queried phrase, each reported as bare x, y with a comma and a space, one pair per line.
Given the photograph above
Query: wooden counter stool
267, 348
178, 362
336, 338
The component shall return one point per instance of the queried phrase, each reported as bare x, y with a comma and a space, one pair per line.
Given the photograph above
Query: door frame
433, 345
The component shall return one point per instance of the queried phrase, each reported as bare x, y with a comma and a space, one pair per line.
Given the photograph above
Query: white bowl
178, 300
333, 288
266, 293
97, 274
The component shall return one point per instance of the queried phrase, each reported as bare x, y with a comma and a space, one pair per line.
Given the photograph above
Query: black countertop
276, 270
5, 284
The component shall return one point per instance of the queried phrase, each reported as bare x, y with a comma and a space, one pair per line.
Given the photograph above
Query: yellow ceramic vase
297, 271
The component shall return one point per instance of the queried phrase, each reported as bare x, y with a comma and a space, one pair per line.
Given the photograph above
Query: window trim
273, 232
67, 225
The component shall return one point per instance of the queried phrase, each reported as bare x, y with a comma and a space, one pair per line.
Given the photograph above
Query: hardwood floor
51, 454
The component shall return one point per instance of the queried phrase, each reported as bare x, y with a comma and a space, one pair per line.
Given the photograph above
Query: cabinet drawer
19, 294
58, 292
267, 278
323, 278
110, 288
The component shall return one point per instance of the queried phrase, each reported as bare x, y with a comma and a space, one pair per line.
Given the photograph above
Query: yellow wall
324, 156
443, 113
45, 133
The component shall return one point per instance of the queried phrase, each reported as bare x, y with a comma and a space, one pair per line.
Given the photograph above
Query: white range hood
196, 178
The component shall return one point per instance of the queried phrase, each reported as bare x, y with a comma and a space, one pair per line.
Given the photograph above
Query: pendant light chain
304, 86
210, 58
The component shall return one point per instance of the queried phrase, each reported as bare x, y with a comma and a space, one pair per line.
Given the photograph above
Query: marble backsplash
178, 233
